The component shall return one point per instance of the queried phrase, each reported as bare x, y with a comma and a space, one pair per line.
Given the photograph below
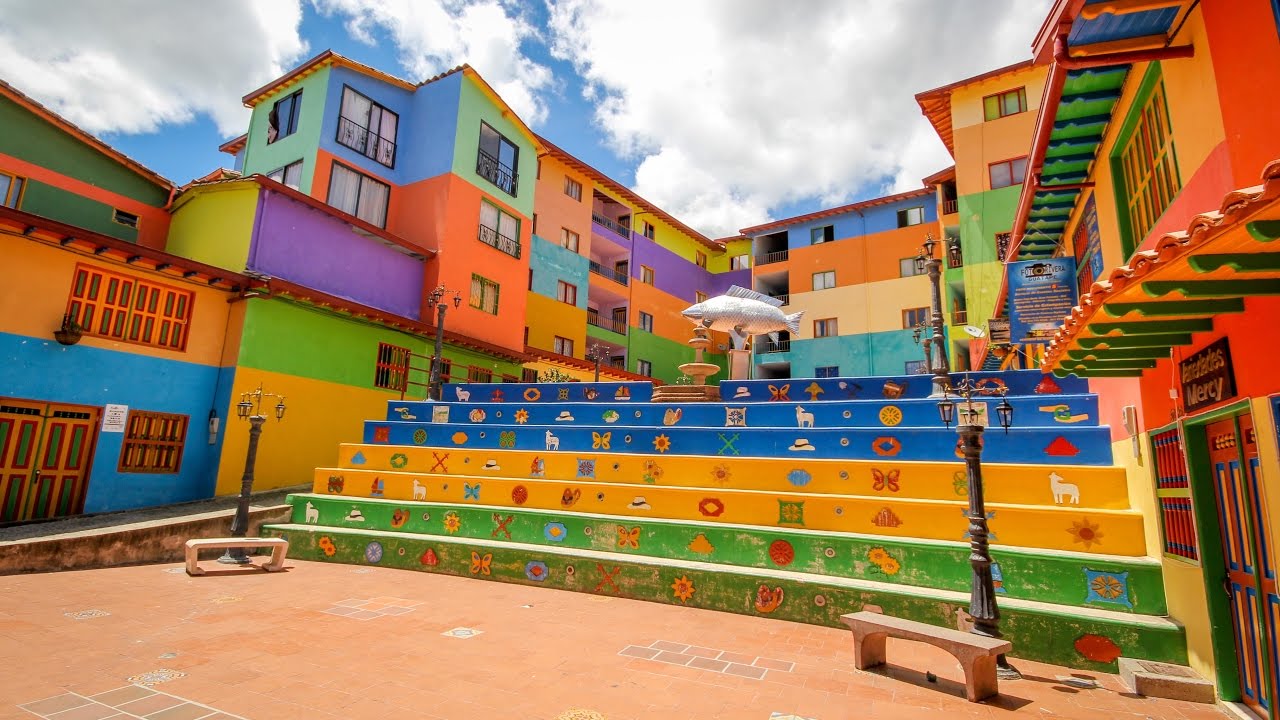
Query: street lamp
437, 300
597, 353
928, 343
249, 408
926, 262
982, 598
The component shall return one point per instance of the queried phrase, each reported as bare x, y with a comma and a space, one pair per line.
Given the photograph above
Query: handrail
491, 237
493, 170
613, 225
772, 257
618, 326
613, 275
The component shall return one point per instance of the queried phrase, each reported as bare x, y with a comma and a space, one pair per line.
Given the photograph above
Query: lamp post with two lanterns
437, 300
249, 408
927, 263
982, 598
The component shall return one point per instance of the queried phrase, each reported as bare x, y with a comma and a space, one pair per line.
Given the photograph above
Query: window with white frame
646, 321
566, 293
644, 367
290, 174
569, 239
564, 346
740, 262
358, 194
572, 188
823, 234
499, 229
367, 127
910, 216
907, 268
824, 280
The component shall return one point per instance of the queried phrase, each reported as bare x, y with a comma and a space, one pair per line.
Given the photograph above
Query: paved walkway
328, 642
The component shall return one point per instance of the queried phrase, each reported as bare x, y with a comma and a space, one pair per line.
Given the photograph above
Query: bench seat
279, 547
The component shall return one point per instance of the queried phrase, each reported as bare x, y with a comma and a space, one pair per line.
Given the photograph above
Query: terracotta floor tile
669, 646
57, 703
706, 663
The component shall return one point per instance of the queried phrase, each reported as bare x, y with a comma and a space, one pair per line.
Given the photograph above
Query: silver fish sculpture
742, 312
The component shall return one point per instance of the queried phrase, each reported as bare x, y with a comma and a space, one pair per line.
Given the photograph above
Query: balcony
784, 297
491, 237
773, 347
359, 138
618, 326
603, 271
959, 317
950, 207
773, 257
491, 169
617, 227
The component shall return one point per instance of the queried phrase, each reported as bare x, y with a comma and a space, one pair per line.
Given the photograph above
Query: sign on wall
1041, 294
998, 330
1207, 377
1088, 248
114, 417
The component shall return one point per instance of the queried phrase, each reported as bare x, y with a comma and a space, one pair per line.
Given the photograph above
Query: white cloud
435, 35
733, 108
133, 65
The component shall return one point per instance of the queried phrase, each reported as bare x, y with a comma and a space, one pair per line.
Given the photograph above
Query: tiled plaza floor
262, 646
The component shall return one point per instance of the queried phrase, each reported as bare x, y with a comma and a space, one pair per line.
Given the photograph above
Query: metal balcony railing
615, 226
491, 237
359, 138
784, 297
950, 207
618, 326
773, 257
613, 275
493, 170
773, 347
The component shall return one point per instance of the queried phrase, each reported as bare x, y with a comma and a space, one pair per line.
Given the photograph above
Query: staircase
797, 500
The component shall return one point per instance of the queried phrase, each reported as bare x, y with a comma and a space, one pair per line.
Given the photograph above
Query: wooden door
1250, 582
45, 455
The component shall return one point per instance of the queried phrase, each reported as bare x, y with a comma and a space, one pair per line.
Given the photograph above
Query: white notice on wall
113, 418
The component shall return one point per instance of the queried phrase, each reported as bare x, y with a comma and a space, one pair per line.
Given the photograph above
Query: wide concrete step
1110, 582
1115, 532
1087, 638
1018, 382
1078, 486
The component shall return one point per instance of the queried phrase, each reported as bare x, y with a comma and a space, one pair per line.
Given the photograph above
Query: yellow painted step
1115, 532
1078, 486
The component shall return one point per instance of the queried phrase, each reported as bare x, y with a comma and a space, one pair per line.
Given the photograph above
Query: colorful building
851, 270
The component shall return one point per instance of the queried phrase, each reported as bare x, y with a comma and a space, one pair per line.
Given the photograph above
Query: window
647, 229
123, 218
479, 375
290, 174
283, 119
11, 190
367, 127
1146, 162
915, 367
392, 369
1004, 104
912, 317
646, 321
1002, 245
358, 194
564, 346
125, 308
644, 367
907, 268
484, 294
568, 239
826, 233
446, 369
572, 188
566, 293
740, 262
910, 216
498, 159
825, 328
828, 371
700, 258
1009, 172
646, 274
535, 223
824, 280
499, 229
699, 296
153, 442
1173, 492
529, 375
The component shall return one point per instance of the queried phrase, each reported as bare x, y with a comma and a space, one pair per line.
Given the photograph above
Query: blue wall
872, 220
550, 263
42, 370
882, 353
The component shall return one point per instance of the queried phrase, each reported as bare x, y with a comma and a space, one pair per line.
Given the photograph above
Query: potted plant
70, 332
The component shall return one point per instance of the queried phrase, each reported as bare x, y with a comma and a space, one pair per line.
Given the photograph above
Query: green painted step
1086, 638
1117, 583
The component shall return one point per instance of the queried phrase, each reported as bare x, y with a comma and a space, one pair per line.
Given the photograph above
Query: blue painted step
639, 392
1018, 382
1051, 446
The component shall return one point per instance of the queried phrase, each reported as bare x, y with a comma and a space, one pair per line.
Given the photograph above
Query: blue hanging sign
1041, 294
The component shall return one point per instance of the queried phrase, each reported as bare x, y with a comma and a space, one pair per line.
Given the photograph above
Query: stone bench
977, 654
279, 546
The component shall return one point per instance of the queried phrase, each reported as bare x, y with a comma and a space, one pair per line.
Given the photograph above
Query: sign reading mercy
1041, 294
1207, 377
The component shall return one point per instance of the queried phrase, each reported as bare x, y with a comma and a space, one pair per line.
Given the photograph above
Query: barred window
153, 442
131, 309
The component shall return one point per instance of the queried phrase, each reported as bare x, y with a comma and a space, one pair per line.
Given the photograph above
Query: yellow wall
557, 318
849, 304
719, 262
33, 301
979, 142
214, 224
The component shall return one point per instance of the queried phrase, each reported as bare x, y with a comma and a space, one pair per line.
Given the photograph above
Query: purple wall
306, 246
673, 274
720, 282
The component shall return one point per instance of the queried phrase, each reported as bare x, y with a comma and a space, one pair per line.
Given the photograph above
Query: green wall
28, 137
214, 225
473, 107
72, 209
259, 157
666, 355
982, 215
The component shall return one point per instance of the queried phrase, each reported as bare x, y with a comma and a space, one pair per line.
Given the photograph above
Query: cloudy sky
726, 113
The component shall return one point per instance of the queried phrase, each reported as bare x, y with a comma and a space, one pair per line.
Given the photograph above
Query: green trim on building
263, 158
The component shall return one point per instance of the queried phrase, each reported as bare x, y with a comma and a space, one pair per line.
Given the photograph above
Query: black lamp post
437, 300
926, 262
982, 598
249, 408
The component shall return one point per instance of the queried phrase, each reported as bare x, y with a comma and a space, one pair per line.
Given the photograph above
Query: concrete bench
279, 546
977, 654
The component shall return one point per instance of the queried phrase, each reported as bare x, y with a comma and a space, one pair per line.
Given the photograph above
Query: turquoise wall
259, 157
551, 263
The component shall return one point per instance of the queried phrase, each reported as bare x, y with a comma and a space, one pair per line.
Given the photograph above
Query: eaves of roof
936, 103
857, 207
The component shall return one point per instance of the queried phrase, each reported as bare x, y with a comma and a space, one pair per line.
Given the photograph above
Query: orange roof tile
857, 207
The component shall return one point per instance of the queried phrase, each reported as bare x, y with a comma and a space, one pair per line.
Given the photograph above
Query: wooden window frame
830, 327
999, 104
700, 259
907, 314
647, 275
1175, 508
560, 344
1147, 179
113, 308
478, 302
573, 188
566, 293
10, 199
565, 235
1014, 179
154, 443
478, 374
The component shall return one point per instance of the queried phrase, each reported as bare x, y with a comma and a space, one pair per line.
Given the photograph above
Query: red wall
1245, 45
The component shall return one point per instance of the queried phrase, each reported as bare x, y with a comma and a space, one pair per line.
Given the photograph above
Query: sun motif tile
155, 677
86, 614
462, 632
